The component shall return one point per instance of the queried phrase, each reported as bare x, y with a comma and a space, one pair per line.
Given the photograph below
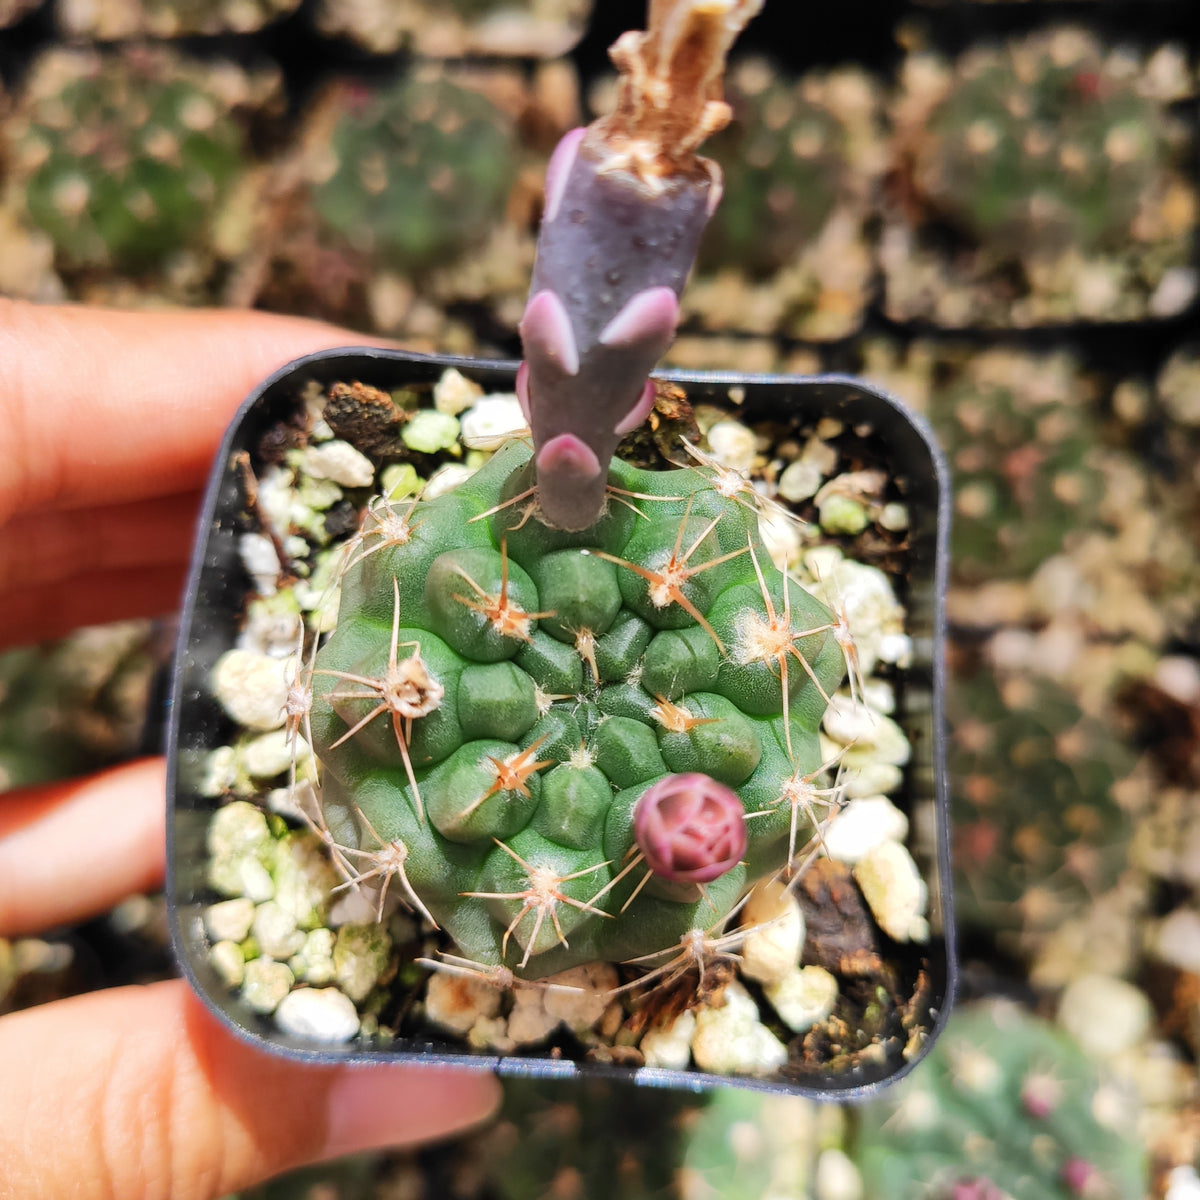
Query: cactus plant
1006, 1105
1019, 434
1035, 805
597, 692
417, 173
1056, 172
124, 159
574, 746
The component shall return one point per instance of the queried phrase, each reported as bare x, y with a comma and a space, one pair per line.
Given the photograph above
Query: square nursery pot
893, 991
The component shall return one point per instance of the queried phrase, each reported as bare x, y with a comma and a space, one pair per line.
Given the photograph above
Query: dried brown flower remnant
669, 98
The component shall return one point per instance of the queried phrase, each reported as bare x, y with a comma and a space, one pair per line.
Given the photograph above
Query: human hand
108, 423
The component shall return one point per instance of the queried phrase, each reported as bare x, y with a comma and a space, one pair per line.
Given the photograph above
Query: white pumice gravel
772, 949
781, 535
861, 826
252, 688
229, 920
229, 963
803, 997
893, 888
313, 962
733, 445
340, 462
445, 479
731, 1040
491, 422
275, 931
454, 392
670, 1046
1104, 1014
428, 432
318, 1015
303, 877
270, 754
800, 479
529, 1022
265, 984
457, 1003
580, 1009
360, 957
261, 560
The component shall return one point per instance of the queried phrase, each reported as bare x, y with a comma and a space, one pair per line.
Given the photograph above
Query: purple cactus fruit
627, 199
690, 828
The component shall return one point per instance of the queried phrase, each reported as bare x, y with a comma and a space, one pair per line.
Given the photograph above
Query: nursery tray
219, 587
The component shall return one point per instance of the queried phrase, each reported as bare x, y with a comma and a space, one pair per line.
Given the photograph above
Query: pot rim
856, 398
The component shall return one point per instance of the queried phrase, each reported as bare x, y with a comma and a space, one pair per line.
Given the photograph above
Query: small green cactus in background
1005, 1105
1021, 441
789, 154
124, 159
110, 20
1038, 830
564, 747
419, 173
1044, 143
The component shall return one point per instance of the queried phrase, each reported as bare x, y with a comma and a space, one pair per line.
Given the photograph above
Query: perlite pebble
492, 422
318, 1015
733, 445
800, 480
270, 754
265, 984
670, 1046
731, 1040
861, 826
803, 997
870, 737
261, 560
303, 878
275, 931
841, 515
252, 688
340, 462
781, 535
229, 920
313, 963
360, 957
1104, 1014
445, 479
772, 949
236, 829
228, 962
582, 1008
454, 392
428, 432
893, 888
457, 1002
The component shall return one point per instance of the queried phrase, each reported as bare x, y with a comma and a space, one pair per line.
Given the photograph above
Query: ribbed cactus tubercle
626, 202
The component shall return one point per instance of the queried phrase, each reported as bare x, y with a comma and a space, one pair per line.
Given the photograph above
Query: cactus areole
626, 202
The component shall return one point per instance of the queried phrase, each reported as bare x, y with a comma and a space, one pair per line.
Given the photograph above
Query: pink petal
546, 328
558, 169
649, 316
566, 453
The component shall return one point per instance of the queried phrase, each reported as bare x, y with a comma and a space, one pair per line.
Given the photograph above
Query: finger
100, 406
47, 555
71, 850
140, 1092
51, 610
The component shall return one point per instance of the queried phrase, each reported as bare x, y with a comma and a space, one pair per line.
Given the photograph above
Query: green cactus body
123, 160
422, 171
785, 156
1023, 446
498, 695
1005, 1105
1044, 144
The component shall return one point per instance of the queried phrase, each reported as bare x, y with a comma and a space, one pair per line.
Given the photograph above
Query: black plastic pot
218, 587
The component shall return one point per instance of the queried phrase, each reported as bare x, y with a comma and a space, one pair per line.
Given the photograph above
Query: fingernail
374, 1107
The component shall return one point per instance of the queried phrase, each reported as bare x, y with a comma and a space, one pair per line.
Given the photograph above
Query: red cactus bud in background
690, 828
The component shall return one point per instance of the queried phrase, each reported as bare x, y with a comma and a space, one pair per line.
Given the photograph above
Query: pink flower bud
690, 828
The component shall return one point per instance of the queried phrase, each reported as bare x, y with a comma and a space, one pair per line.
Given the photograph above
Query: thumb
139, 1092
